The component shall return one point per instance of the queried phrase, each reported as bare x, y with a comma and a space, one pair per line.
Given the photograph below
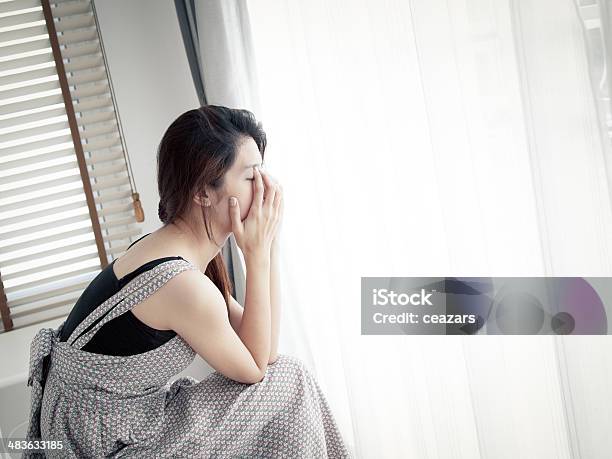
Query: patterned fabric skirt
285, 415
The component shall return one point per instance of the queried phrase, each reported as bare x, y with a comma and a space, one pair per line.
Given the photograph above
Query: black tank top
125, 334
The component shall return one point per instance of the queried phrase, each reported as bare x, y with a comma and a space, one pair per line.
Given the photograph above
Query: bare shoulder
194, 298
191, 288
199, 314
194, 293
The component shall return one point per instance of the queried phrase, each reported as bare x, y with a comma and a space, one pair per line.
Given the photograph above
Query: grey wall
152, 82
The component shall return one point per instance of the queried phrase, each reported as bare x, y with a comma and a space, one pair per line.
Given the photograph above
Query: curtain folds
185, 11
212, 34
442, 138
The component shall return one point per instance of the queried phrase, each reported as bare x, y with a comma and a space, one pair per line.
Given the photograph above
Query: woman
100, 382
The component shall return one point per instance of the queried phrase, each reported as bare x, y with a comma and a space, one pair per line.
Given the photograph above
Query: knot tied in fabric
40, 351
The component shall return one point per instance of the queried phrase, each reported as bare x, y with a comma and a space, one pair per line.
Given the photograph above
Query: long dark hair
196, 150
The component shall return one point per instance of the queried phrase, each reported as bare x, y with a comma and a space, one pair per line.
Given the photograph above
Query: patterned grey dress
125, 406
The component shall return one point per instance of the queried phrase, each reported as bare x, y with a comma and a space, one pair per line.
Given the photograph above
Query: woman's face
238, 182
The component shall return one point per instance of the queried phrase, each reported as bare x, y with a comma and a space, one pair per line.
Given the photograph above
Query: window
68, 204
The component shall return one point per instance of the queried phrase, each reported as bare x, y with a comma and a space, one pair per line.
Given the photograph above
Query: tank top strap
141, 237
134, 292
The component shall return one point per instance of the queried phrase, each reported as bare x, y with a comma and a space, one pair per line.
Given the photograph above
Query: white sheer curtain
437, 138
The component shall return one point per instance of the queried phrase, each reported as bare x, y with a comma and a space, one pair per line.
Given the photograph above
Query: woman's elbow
253, 377
256, 378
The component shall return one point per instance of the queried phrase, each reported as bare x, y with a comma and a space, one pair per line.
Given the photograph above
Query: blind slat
110, 183
98, 144
77, 36
117, 222
18, 6
36, 173
87, 76
99, 172
22, 20
103, 158
37, 156
41, 43
97, 116
47, 184
45, 227
89, 90
51, 312
50, 127
22, 63
49, 197
30, 90
85, 48
47, 253
114, 196
84, 62
46, 239
32, 117
76, 21
29, 32
26, 78
30, 216
71, 8
35, 145
65, 261
93, 103
103, 128
123, 208
41, 102
57, 277
78, 288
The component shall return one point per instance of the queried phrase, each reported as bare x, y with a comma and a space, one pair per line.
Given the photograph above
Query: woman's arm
275, 281
236, 309
254, 330
275, 300
199, 316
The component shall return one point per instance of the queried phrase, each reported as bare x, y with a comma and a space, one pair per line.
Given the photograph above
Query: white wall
153, 85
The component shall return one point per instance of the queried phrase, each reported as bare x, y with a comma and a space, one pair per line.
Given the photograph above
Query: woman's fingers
234, 211
277, 197
259, 189
278, 208
270, 190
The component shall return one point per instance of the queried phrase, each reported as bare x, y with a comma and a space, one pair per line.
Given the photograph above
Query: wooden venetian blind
68, 204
